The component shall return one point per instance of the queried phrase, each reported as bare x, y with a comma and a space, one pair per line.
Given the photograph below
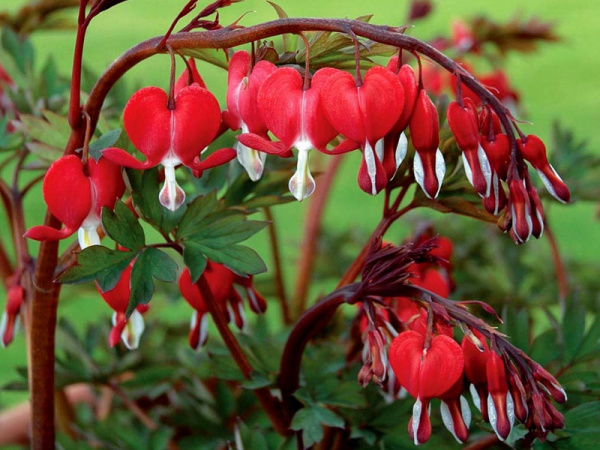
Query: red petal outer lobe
407, 79
191, 293
520, 209
197, 118
424, 124
498, 153
463, 123
108, 183
184, 78
418, 371
534, 151
147, 121
364, 179
238, 69
365, 113
498, 390
475, 361
118, 297
489, 118
67, 191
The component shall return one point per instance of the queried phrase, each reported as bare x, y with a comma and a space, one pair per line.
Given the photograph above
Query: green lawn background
558, 82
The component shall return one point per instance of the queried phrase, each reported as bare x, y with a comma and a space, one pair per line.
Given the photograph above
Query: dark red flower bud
549, 383
520, 212
429, 166
456, 413
10, 317
533, 150
500, 402
489, 119
537, 212
519, 395
189, 77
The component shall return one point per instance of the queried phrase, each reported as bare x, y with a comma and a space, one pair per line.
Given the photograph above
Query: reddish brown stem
561, 273
312, 228
483, 443
278, 269
133, 407
271, 406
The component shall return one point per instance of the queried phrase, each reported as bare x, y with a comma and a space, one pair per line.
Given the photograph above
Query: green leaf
107, 140
216, 57
591, 341
44, 152
573, 328
123, 227
53, 131
197, 210
150, 263
583, 425
19, 48
239, 258
194, 259
310, 419
98, 263
228, 230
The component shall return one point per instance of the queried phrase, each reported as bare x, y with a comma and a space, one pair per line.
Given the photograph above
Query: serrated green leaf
573, 328
310, 419
107, 140
212, 56
19, 48
239, 258
258, 380
123, 227
54, 134
150, 263
591, 341
98, 263
196, 211
228, 230
44, 152
194, 259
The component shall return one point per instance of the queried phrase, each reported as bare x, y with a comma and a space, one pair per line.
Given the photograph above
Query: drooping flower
295, 116
533, 150
221, 282
243, 85
418, 370
364, 114
497, 150
9, 323
429, 167
75, 194
463, 122
128, 330
171, 135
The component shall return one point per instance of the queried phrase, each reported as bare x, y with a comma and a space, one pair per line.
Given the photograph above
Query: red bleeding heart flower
497, 149
429, 167
127, 329
10, 318
418, 370
90, 188
243, 85
221, 281
533, 150
364, 114
463, 122
295, 115
171, 135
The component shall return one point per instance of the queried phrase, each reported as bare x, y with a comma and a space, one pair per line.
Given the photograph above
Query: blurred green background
559, 82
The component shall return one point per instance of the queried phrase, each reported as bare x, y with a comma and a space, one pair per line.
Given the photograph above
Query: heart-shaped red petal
247, 97
197, 118
108, 183
67, 191
147, 121
418, 371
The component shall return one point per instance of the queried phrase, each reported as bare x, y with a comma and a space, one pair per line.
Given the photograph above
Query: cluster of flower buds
489, 161
221, 282
413, 336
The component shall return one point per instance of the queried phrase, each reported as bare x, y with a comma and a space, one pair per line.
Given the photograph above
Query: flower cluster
413, 335
221, 282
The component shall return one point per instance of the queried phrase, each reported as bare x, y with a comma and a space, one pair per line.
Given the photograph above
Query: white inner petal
369, 156
302, 183
133, 330
475, 395
380, 148
548, 185
3, 325
416, 419
468, 171
465, 411
447, 419
171, 196
401, 149
486, 169
440, 169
